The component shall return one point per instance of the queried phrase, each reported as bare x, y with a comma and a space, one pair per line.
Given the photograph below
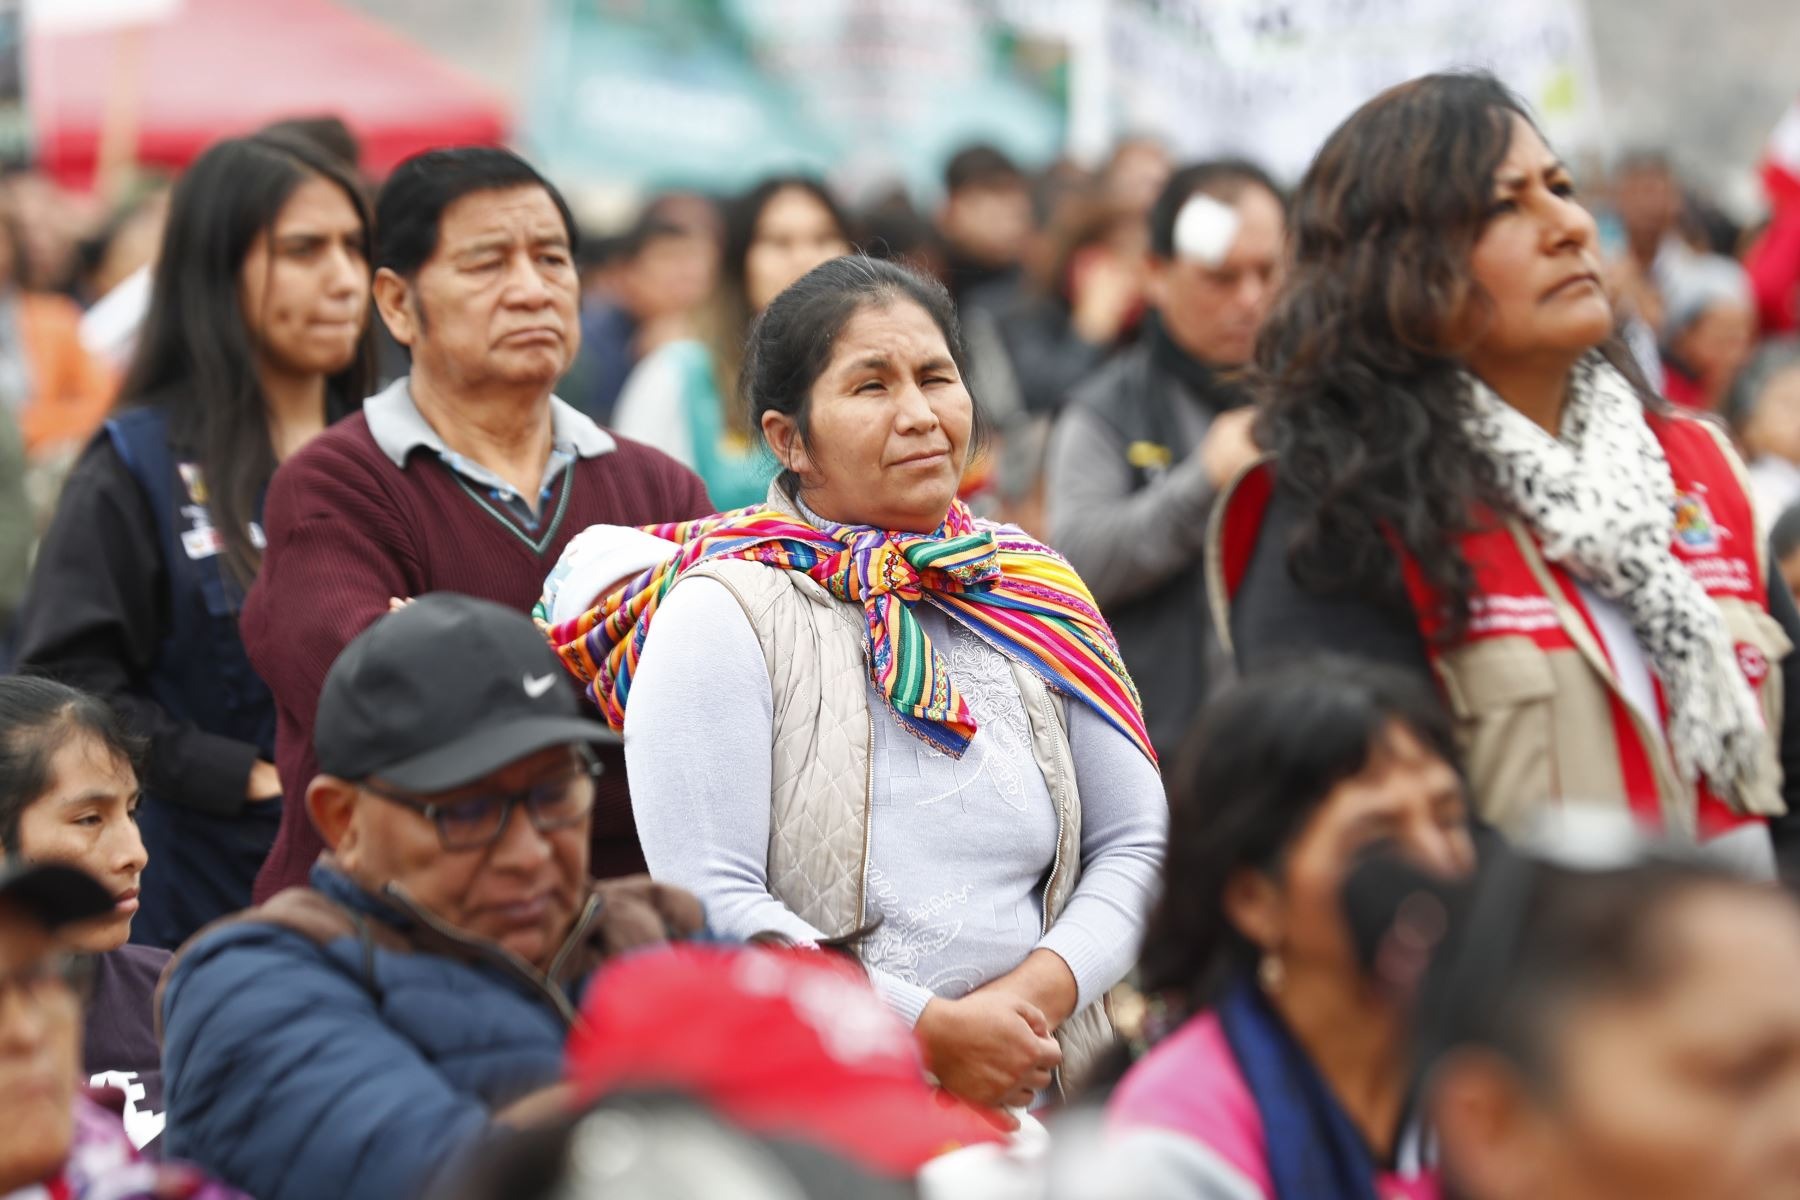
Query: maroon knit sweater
348, 530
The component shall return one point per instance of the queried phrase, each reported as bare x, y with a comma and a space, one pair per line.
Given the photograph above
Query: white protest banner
1271, 78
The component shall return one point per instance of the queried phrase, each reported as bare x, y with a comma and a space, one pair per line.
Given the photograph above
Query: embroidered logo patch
1753, 662
203, 542
1695, 528
1148, 456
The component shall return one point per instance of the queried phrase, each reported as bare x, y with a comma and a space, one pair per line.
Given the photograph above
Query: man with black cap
348, 1039
54, 1140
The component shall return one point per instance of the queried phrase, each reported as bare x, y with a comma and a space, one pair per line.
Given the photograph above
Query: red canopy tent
224, 67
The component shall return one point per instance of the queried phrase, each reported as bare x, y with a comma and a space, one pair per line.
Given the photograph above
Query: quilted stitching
820, 762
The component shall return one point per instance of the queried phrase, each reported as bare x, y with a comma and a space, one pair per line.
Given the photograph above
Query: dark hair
1784, 538
744, 214
1710, 227
1539, 938
409, 212
325, 131
37, 718
792, 341
1775, 357
981, 166
1260, 761
1083, 219
196, 357
1365, 393
12, 235
653, 222
728, 317
892, 228
650, 228
91, 251
1224, 179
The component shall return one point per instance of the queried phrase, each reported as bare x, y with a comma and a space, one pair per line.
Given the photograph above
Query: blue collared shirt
399, 428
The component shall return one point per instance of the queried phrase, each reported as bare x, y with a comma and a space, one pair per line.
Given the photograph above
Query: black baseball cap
53, 894
443, 692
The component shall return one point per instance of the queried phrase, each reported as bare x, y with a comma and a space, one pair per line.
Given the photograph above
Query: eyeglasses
37, 983
476, 822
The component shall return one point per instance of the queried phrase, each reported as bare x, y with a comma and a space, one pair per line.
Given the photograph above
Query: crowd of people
1144, 682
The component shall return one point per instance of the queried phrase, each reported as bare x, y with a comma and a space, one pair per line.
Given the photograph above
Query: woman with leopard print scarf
1467, 476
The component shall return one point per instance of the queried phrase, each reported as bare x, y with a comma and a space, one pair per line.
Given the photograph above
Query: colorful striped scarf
1017, 595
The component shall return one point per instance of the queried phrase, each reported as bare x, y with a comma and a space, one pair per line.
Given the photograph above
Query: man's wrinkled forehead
501, 218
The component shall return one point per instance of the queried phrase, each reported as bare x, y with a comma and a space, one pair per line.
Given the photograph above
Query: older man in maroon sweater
466, 476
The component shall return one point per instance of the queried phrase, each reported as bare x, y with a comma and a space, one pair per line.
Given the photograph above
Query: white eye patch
1205, 230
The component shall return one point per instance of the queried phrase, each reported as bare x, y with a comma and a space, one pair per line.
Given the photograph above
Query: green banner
718, 93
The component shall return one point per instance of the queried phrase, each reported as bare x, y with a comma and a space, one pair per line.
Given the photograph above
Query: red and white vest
1540, 713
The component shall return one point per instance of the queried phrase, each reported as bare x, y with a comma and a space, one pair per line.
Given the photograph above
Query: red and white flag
1781, 166
1774, 261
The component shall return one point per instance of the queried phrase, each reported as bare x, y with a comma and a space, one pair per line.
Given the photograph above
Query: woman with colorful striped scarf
858, 713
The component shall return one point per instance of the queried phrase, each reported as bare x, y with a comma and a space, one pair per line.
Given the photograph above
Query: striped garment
1016, 594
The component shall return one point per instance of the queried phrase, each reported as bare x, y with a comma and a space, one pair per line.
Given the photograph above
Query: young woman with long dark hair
1469, 479
683, 397
256, 339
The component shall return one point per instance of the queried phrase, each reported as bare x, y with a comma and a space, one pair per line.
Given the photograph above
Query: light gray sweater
959, 849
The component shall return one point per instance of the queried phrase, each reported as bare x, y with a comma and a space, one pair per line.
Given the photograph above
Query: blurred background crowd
714, 151
204, 201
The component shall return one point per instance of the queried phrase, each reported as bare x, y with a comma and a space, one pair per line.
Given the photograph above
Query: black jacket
97, 615
1128, 501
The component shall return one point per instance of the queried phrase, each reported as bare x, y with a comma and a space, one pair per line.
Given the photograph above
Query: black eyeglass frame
590, 768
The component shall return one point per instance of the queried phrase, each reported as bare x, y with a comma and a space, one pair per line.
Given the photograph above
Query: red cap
790, 1043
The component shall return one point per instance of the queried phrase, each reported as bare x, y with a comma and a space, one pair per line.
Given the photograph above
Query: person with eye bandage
1147, 442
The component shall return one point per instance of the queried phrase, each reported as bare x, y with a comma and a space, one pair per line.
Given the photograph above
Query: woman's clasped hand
990, 1047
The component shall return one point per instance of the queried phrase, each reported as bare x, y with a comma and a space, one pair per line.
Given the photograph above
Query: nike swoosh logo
537, 687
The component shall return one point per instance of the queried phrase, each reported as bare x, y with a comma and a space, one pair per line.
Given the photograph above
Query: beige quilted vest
820, 781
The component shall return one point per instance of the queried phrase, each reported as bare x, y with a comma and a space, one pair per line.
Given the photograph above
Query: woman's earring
1271, 973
